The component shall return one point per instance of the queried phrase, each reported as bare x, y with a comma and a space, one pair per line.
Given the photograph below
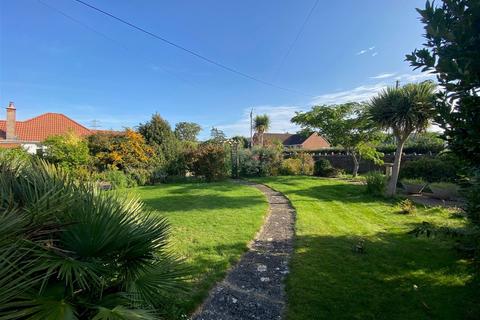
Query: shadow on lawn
398, 277
193, 202
347, 193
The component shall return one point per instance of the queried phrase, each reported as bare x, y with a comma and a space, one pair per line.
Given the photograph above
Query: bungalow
30, 134
293, 141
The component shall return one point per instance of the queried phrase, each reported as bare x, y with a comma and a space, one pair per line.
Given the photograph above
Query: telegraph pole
251, 128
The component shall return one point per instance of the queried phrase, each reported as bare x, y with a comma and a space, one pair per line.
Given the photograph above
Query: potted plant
444, 190
413, 186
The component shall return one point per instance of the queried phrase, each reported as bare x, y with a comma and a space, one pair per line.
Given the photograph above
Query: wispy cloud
279, 118
383, 76
363, 51
280, 115
360, 93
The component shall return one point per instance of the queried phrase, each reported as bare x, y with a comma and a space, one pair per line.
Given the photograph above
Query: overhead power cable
299, 33
198, 55
103, 35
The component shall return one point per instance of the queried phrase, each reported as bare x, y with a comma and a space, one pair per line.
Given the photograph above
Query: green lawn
399, 276
211, 226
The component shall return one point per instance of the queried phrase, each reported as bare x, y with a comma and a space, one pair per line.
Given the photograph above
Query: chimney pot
11, 120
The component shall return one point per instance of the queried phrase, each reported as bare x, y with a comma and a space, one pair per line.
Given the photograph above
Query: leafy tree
217, 135
126, 151
261, 124
452, 51
343, 125
68, 251
158, 134
404, 110
187, 131
69, 150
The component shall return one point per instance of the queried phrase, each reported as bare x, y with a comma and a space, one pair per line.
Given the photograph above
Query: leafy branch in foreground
70, 251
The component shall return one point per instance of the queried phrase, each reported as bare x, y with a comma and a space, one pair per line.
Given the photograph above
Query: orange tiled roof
44, 126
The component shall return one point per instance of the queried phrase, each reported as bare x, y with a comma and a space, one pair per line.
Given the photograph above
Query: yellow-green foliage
300, 164
68, 150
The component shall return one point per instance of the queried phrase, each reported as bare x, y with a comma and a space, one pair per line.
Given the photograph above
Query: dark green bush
209, 161
376, 183
439, 169
323, 168
260, 161
473, 198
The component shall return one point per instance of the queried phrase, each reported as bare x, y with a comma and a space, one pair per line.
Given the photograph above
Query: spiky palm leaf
85, 243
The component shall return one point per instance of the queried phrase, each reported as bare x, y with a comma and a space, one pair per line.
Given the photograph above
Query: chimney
11, 122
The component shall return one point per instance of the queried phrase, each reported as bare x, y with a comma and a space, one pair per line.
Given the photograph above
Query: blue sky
96, 68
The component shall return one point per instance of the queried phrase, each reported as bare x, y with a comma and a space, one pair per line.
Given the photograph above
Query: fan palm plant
261, 124
403, 110
70, 251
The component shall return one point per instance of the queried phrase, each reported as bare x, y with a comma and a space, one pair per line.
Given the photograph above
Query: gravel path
254, 288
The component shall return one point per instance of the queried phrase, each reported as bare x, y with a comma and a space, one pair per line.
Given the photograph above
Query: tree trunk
356, 165
392, 183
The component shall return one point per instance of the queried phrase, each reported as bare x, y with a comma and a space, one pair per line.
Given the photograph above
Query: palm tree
403, 110
261, 124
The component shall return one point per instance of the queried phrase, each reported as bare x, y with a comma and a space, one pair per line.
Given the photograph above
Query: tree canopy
403, 110
343, 125
187, 131
452, 51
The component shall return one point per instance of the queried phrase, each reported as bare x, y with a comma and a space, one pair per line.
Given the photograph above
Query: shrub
260, 161
407, 206
323, 168
376, 183
437, 169
444, 190
117, 178
209, 161
139, 177
69, 250
126, 151
300, 163
68, 150
14, 154
473, 199
413, 181
291, 167
307, 163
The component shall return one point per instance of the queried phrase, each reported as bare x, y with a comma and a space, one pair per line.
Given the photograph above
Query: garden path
254, 288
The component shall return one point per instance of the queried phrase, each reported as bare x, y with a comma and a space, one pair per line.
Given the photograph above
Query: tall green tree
343, 125
261, 124
187, 131
402, 110
452, 51
158, 133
